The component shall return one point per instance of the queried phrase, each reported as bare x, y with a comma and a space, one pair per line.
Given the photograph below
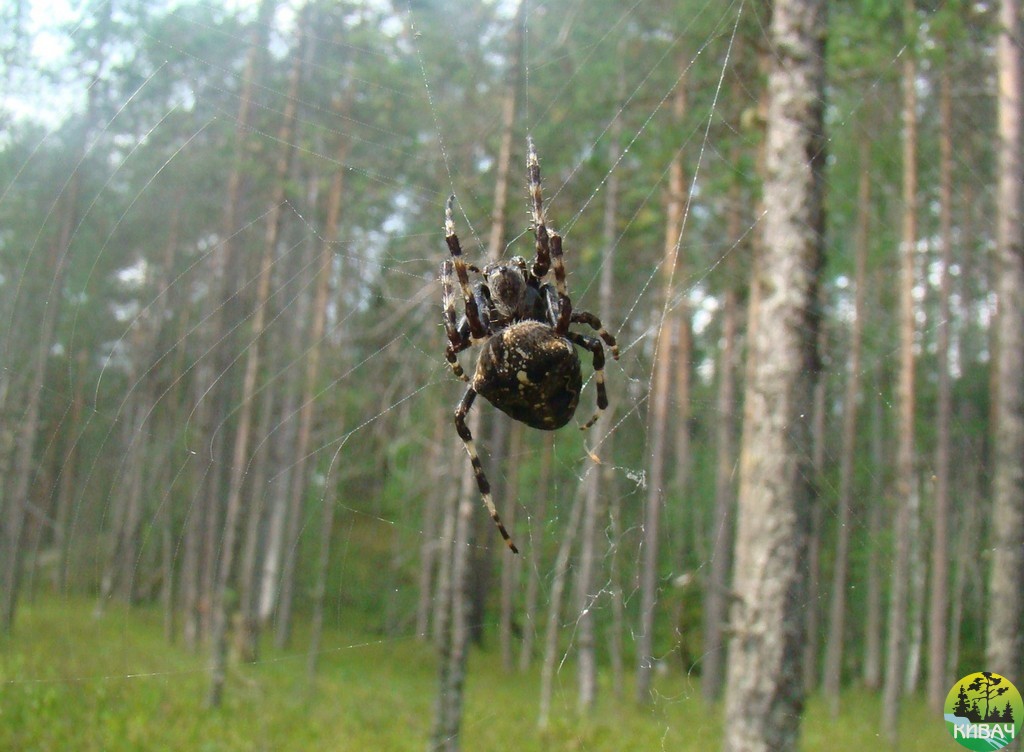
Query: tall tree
716, 586
600, 436
243, 432
67, 211
1004, 650
837, 608
658, 407
454, 627
938, 602
906, 480
764, 689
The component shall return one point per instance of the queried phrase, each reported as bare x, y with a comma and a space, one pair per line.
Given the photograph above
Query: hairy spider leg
585, 317
477, 330
478, 469
594, 345
457, 342
564, 304
542, 262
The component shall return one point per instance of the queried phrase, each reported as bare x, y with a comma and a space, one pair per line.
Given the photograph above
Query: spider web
390, 378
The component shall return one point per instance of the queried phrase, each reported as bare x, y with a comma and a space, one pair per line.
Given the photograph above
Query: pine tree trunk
657, 415
299, 472
15, 507
812, 613
600, 440
240, 455
66, 492
938, 602
1004, 650
764, 689
510, 565
717, 582
454, 616
430, 548
906, 481
561, 570
873, 612
833, 672
213, 382
915, 607
533, 569
452, 619
328, 502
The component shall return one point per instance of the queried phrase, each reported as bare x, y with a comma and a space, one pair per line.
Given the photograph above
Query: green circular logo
984, 711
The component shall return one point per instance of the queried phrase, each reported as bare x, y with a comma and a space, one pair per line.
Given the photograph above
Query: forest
256, 270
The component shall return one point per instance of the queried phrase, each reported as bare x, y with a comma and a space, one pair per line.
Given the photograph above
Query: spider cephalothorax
528, 367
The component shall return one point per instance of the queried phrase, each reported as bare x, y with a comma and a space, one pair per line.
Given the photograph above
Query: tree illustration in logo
981, 707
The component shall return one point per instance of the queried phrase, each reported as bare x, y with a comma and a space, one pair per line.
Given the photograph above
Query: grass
71, 681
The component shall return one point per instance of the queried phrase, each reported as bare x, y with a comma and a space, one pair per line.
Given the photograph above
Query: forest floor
70, 680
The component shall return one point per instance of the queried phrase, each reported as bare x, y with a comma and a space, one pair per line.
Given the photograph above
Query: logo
984, 711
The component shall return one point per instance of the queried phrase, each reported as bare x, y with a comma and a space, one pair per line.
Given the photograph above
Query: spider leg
594, 345
457, 341
478, 469
542, 262
564, 304
585, 317
476, 328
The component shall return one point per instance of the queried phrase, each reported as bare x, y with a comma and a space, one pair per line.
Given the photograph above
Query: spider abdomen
531, 374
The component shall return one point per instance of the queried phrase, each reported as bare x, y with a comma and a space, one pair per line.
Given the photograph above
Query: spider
528, 367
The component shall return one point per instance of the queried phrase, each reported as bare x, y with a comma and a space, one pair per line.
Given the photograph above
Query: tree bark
764, 691
453, 617
600, 438
430, 548
299, 472
240, 455
873, 613
533, 570
657, 414
454, 627
510, 565
832, 678
812, 615
717, 582
906, 481
561, 569
316, 631
1004, 650
938, 602
15, 506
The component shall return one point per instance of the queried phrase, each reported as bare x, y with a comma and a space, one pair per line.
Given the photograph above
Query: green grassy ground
70, 681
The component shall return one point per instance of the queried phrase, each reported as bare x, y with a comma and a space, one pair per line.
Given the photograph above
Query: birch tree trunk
764, 691
1004, 651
